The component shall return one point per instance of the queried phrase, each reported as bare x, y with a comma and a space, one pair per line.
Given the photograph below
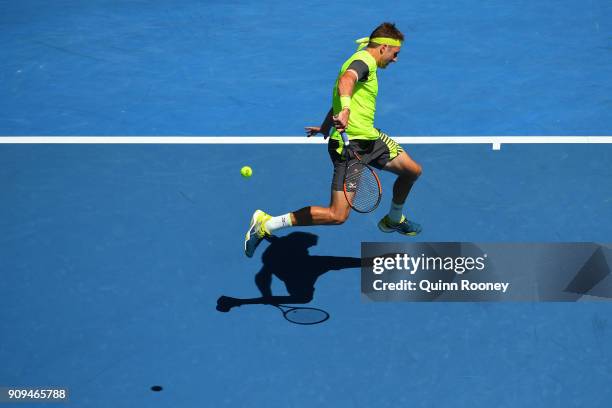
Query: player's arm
325, 127
346, 85
328, 122
356, 71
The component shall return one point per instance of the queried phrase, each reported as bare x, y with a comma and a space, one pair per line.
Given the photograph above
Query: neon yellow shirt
363, 101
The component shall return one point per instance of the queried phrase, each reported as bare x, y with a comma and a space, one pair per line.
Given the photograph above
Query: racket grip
345, 138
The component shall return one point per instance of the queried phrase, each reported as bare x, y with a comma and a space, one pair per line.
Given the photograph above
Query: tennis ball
246, 171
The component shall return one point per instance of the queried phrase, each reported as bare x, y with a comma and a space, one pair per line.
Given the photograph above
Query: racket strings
362, 188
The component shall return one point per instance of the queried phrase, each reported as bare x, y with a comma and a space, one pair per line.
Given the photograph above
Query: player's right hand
341, 120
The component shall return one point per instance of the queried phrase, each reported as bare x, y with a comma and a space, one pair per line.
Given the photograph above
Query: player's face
389, 55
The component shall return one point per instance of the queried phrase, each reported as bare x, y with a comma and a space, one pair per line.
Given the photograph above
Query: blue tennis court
113, 256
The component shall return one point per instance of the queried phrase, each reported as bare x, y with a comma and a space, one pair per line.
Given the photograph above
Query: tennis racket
303, 315
361, 185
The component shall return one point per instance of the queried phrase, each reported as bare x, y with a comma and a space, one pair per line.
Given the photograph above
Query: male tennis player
353, 108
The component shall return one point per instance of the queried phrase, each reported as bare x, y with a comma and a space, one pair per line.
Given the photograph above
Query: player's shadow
287, 258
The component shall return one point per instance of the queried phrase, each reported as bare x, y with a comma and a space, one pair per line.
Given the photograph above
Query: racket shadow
288, 259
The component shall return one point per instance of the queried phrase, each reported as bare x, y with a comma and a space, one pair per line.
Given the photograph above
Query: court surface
112, 257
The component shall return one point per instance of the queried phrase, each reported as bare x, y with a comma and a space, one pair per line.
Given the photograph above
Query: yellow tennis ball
246, 171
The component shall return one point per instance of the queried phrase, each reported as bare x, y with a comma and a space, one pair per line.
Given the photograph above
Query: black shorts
380, 152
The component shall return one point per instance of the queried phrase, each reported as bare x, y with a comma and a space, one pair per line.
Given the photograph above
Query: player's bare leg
407, 171
337, 212
263, 225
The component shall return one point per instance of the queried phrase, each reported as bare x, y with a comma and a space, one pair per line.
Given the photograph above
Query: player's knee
338, 216
414, 172
417, 171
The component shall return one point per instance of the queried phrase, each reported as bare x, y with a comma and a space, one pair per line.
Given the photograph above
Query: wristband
345, 102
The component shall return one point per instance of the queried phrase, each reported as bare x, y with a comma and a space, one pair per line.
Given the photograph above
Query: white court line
495, 141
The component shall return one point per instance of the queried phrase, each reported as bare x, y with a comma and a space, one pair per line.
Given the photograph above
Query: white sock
275, 223
395, 213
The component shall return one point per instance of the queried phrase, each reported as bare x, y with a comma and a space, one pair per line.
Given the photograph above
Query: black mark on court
186, 197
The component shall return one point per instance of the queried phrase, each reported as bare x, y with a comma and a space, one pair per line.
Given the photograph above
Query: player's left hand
314, 130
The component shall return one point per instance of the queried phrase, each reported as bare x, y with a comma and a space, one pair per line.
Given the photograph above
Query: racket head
362, 187
303, 315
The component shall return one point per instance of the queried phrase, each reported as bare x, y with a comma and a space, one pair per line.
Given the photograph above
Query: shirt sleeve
361, 68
